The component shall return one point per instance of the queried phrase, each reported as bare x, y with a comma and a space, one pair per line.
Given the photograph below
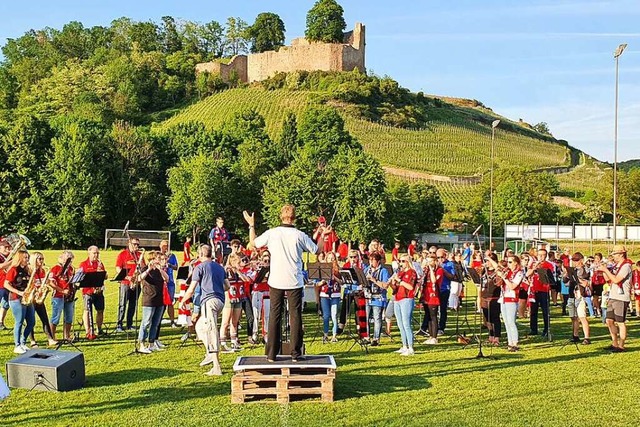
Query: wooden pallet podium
283, 381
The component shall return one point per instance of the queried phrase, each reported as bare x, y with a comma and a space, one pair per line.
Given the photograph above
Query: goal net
114, 237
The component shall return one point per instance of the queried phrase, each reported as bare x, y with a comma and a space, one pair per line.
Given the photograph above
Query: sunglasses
244, 259
512, 262
135, 244
353, 257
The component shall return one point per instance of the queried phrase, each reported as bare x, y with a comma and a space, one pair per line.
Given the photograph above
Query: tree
235, 36
171, 41
266, 33
78, 184
325, 22
288, 143
322, 133
201, 189
542, 128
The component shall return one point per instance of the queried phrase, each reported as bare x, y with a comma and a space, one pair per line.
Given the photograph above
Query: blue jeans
58, 306
377, 319
589, 305
22, 313
403, 311
4, 298
330, 310
151, 317
509, 310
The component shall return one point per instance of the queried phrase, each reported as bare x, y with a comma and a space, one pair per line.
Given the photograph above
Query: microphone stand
481, 355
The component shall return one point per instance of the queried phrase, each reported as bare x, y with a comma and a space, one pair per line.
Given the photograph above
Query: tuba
18, 242
29, 292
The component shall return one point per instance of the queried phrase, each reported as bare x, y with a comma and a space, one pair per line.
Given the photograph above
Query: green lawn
542, 385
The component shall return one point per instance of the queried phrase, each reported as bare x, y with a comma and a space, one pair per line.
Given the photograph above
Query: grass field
543, 385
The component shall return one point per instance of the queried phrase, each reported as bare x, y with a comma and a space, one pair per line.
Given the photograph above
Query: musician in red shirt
128, 259
404, 285
16, 282
329, 240
92, 297
540, 288
186, 251
64, 297
5, 250
433, 276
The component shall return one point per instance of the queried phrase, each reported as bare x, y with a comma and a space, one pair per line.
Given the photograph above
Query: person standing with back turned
286, 245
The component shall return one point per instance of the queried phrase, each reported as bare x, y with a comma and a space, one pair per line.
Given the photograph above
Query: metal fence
583, 232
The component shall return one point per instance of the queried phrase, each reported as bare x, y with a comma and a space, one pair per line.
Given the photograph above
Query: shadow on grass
352, 384
129, 376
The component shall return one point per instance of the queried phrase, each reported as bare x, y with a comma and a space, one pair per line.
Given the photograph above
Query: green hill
455, 144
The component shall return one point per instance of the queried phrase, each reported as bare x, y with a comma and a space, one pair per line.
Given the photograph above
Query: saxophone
29, 292
42, 291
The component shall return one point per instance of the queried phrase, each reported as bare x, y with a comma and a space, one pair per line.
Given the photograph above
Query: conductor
286, 245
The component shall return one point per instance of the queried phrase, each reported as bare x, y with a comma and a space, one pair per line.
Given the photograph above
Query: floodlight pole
616, 55
494, 124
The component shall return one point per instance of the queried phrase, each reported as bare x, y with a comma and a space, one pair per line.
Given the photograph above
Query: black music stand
183, 273
350, 277
545, 279
319, 271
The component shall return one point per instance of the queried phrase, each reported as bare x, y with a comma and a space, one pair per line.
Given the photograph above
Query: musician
286, 245
36, 262
619, 296
430, 297
186, 251
92, 297
210, 277
260, 297
449, 273
404, 285
597, 282
578, 284
128, 259
329, 241
232, 310
523, 292
492, 285
171, 266
540, 292
64, 299
512, 278
329, 293
153, 278
636, 288
378, 277
218, 238
354, 260
5, 263
16, 282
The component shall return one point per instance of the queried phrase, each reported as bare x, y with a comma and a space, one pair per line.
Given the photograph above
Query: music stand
183, 273
120, 276
319, 271
350, 278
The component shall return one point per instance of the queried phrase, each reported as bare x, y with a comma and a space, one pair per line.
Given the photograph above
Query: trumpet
18, 242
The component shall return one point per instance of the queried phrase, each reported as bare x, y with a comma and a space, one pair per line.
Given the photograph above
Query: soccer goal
115, 237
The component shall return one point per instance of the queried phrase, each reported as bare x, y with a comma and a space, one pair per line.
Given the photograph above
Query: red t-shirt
19, 278
186, 253
537, 285
431, 292
61, 279
127, 260
394, 254
90, 267
565, 260
408, 276
3, 272
411, 250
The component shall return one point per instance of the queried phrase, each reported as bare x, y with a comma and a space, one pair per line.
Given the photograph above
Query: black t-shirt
152, 287
490, 287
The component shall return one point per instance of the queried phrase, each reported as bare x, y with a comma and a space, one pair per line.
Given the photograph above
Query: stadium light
494, 125
616, 55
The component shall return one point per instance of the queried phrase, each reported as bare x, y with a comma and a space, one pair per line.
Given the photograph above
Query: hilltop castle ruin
302, 55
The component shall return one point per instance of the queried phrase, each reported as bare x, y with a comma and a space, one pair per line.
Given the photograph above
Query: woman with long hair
16, 282
491, 288
431, 296
36, 264
511, 280
523, 291
153, 279
404, 285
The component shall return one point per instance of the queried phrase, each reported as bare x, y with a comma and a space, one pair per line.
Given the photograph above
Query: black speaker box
51, 370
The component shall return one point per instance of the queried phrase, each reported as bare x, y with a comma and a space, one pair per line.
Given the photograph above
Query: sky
543, 61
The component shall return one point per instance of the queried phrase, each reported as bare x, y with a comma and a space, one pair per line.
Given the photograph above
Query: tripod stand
363, 343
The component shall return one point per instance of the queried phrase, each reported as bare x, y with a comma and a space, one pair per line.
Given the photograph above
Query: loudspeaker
286, 347
51, 370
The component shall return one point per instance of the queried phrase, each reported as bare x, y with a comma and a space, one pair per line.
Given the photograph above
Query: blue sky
546, 60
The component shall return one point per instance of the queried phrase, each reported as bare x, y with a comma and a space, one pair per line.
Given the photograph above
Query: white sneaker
144, 350
156, 347
214, 372
401, 350
160, 345
431, 341
185, 337
227, 349
207, 359
19, 350
408, 352
24, 347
